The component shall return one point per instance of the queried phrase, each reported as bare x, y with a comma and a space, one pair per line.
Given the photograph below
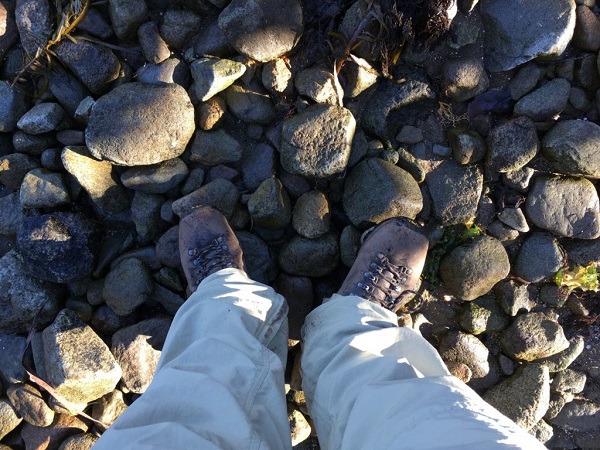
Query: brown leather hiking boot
207, 244
388, 265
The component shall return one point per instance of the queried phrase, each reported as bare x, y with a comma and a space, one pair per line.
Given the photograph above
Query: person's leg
371, 384
219, 382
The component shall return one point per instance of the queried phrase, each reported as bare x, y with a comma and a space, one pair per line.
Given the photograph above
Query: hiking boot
388, 265
207, 244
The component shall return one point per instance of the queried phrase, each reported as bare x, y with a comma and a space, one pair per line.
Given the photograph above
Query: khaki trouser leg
370, 384
219, 382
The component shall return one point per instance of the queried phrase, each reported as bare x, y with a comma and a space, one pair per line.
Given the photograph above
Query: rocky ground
305, 123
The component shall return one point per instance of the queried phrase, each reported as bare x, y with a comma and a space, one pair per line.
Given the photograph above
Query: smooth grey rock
95, 65
512, 145
154, 47
11, 214
587, 29
514, 218
14, 167
64, 425
468, 147
298, 291
392, 104
168, 299
532, 336
34, 22
13, 104
212, 41
257, 259
455, 191
568, 380
483, 315
316, 143
127, 286
540, 257
82, 441
565, 206
126, 16
78, 363
135, 117
262, 29
137, 349
212, 75
9, 418
524, 397
277, 77
318, 85
512, 297
50, 159
310, 257
410, 135
583, 252
167, 248
97, 179
215, 147
59, 247
42, 118
464, 79
210, 113
109, 408
258, 163
349, 245
43, 189
359, 76
107, 322
156, 179
510, 38
250, 104
524, 81
172, 70
68, 90
145, 213
311, 215
30, 405
270, 205
570, 147
579, 98
458, 347
22, 296
179, 25
220, 194
579, 415
545, 102
376, 190
518, 179
11, 353
33, 144
472, 269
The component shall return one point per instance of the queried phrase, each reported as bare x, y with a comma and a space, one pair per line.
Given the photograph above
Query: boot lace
394, 295
212, 257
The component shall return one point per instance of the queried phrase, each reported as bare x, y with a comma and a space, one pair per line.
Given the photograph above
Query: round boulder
571, 147
565, 206
533, 336
317, 142
310, 257
471, 270
262, 29
139, 124
59, 247
512, 145
376, 190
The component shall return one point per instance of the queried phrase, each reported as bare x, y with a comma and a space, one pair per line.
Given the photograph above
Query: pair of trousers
369, 384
